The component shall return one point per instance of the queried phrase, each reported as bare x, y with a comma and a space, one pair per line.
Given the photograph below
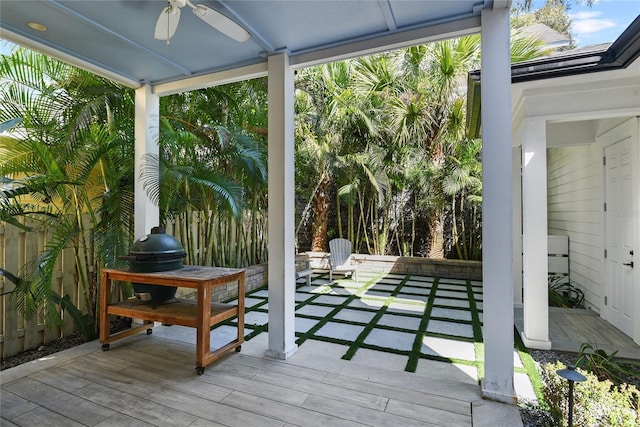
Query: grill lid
155, 247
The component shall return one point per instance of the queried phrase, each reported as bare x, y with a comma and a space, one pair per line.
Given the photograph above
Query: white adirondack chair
340, 258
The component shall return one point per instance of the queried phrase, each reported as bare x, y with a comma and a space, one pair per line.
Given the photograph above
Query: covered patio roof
116, 38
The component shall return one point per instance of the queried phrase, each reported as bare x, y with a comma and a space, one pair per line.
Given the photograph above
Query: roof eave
620, 54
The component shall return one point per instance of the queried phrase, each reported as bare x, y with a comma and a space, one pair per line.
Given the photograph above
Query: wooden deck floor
570, 328
148, 380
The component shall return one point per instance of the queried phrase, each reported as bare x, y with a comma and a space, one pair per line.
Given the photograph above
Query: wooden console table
200, 313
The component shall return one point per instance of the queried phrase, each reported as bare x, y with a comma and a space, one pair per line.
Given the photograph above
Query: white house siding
574, 194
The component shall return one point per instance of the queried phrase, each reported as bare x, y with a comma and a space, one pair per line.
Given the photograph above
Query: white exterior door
619, 199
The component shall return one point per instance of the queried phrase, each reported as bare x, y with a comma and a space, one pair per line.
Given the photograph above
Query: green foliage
553, 13
563, 293
58, 165
386, 135
604, 365
596, 403
84, 321
212, 173
66, 172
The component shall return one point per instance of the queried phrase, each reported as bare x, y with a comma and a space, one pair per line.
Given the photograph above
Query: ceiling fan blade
221, 23
167, 23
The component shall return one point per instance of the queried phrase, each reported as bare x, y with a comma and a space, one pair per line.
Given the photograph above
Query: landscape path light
570, 374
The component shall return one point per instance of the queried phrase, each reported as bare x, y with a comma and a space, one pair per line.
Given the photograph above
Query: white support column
281, 165
147, 112
534, 237
497, 231
517, 225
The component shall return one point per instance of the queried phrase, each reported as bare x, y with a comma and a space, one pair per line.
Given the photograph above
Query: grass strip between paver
381, 311
477, 331
529, 366
412, 363
302, 337
475, 319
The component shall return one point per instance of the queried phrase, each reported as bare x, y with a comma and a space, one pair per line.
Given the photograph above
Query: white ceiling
116, 38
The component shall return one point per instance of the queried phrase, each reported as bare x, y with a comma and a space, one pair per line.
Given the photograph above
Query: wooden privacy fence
16, 248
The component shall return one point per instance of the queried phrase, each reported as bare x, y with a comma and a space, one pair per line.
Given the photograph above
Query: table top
186, 274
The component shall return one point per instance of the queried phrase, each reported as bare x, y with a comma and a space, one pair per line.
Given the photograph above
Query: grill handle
153, 256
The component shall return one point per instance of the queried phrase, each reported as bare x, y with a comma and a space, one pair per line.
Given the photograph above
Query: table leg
203, 334
105, 290
240, 310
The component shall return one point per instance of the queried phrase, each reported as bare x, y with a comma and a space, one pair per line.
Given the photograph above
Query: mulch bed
60, 344
43, 350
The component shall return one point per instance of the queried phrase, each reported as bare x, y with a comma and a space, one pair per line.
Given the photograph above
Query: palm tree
326, 109
463, 185
428, 81
211, 167
67, 169
429, 111
66, 162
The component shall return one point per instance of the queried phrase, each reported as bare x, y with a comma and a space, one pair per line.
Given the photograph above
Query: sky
602, 22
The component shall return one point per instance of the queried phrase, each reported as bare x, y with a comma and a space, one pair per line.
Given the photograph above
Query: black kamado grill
152, 253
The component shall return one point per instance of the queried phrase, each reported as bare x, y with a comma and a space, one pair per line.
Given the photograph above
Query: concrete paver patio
415, 317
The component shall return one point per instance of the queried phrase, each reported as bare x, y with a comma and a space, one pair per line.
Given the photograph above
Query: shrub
603, 364
563, 293
596, 403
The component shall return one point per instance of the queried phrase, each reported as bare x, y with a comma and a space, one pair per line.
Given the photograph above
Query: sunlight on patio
425, 325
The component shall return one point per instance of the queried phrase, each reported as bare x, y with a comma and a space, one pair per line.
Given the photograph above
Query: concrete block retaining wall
255, 278
257, 275
450, 268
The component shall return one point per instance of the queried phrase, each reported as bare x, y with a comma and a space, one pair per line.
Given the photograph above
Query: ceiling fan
170, 16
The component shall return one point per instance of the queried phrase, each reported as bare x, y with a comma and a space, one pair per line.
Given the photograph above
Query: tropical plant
604, 365
596, 403
331, 125
463, 185
428, 112
67, 173
211, 167
563, 293
382, 138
